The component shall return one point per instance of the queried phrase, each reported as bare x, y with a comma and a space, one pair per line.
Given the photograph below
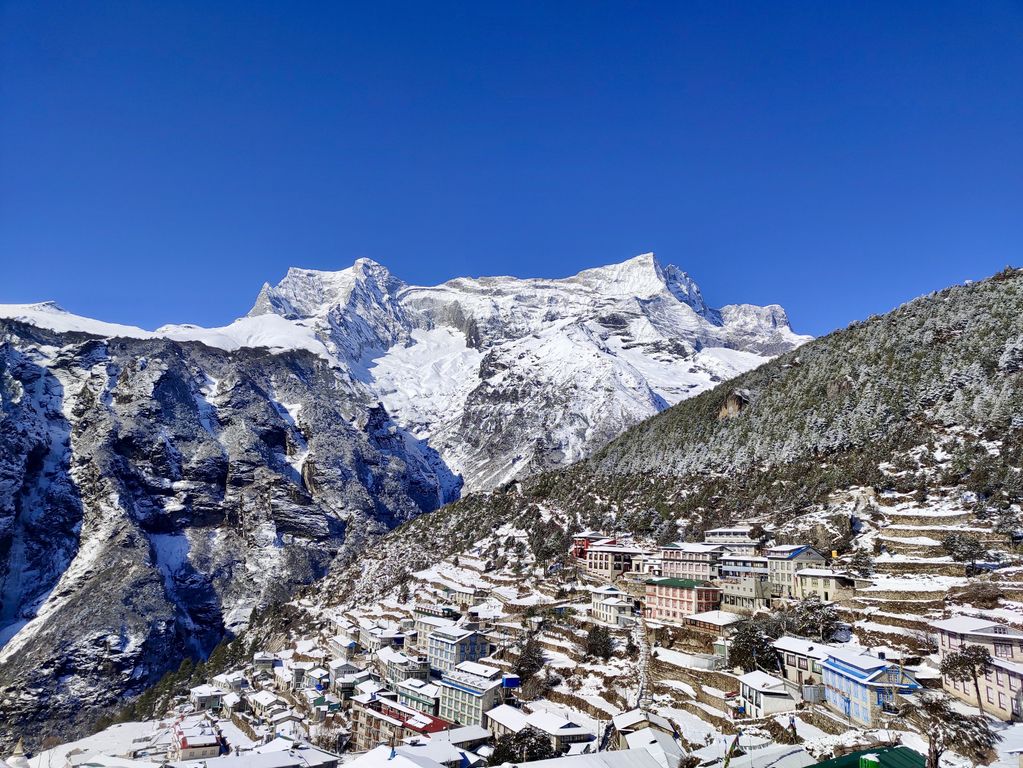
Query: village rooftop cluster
436, 679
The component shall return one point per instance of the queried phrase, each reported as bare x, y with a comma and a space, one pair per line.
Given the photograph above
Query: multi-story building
1002, 688
736, 537
691, 561
506, 720
863, 687
645, 566
448, 647
195, 738
674, 599
419, 695
783, 561
826, 583
468, 691
611, 605
582, 541
427, 623
743, 582
375, 635
378, 718
801, 661
611, 560
397, 666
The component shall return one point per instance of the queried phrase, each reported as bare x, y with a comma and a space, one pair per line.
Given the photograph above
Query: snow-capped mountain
501, 376
506, 376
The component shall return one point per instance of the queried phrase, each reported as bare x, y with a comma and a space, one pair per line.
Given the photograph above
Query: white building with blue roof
861, 686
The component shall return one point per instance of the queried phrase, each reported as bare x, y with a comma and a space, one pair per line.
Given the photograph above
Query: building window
1003, 650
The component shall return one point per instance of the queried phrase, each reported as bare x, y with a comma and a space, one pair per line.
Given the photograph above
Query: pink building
672, 600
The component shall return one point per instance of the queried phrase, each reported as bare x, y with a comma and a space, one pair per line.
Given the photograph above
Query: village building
231, 703
611, 561
468, 691
829, 585
263, 661
762, 695
691, 561
415, 753
464, 736
581, 542
661, 746
507, 720
262, 702
232, 681
743, 579
737, 538
420, 695
427, 623
714, 623
206, 697
645, 566
346, 684
194, 739
801, 662
450, 646
610, 605
344, 646
374, 636
636, 721
397, 666
785, 560
378, 718
671, 600
863, 687
1002, 688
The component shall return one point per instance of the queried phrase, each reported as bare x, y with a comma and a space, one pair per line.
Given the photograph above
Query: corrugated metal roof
887, 757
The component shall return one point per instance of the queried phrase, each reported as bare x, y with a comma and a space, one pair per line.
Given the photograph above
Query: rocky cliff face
152, 492
155, 486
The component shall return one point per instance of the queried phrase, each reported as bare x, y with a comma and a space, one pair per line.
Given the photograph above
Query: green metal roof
683, 583
887, 757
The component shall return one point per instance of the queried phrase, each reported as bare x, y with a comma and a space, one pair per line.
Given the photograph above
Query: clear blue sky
159, 161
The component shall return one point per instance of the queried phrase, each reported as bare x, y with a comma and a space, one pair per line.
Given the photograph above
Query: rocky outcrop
735, 402
153, 492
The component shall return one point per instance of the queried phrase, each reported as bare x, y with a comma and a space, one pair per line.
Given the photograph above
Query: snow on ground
695, 730
804, 730
678, 685
235, 737
424, 382
115, 740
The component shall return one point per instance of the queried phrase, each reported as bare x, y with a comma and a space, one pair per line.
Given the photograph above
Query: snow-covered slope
502, 376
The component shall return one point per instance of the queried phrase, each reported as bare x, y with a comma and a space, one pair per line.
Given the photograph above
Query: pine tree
751, 648
968, 664
948, 728
964, 548
816, 618
530, 661
599, 642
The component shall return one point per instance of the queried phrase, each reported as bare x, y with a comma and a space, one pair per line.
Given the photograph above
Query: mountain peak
643, 276
312, 292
